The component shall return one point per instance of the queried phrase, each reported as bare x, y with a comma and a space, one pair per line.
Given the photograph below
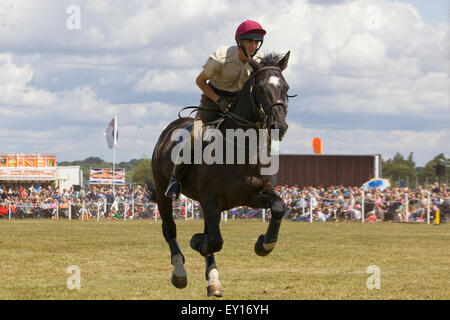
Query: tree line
400, 169
138, 171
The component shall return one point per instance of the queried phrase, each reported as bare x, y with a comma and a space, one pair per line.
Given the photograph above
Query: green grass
131, 260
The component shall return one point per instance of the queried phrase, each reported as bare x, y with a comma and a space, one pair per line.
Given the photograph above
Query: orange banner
51, 161
20, 161
3, 160
27, 161
30, 160
40, 161
27, 174
12, 160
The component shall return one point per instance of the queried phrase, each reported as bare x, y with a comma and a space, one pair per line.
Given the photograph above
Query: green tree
142, 173
429, 171
399, 168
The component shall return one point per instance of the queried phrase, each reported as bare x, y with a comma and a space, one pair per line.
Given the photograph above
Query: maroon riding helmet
250, 30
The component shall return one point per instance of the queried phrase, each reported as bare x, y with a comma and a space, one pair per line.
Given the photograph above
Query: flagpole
114, 152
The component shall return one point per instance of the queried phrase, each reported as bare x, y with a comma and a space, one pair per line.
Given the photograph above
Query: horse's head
269, 90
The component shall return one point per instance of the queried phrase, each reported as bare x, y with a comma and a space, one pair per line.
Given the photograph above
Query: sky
372, 76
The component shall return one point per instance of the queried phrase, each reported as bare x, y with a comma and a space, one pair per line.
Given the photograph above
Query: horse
261, 104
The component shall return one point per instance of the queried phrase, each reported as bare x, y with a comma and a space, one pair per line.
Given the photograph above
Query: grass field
130, 260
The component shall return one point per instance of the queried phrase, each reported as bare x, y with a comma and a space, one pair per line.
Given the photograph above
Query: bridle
257, 105
258, 108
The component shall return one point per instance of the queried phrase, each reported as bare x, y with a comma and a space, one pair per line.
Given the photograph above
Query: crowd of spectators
337, 203
26, 200
333, 203
349, 203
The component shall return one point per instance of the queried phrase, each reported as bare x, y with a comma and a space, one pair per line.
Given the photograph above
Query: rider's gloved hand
223, 104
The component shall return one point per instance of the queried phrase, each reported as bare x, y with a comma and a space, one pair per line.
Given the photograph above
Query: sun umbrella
381, 184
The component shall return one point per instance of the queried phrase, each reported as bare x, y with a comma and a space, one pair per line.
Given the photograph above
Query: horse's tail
150, 191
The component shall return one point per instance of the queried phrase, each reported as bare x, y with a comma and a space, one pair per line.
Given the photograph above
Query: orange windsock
317, 145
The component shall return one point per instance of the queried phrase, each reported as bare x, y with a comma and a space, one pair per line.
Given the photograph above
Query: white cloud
167, 81
70, 122
11, 74
13, 85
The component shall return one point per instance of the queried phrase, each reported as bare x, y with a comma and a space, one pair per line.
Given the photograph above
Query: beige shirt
226, 71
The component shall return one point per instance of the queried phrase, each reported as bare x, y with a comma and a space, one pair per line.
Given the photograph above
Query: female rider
223, 76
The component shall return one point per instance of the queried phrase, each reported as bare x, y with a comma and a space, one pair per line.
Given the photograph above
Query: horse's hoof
214, 290
179, 282
263, 249
179, 275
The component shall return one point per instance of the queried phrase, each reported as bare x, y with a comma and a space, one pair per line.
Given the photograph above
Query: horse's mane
271, 59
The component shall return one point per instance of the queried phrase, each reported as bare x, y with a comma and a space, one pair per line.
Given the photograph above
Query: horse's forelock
271, 59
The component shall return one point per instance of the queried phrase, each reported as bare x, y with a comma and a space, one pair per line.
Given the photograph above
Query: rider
223, 76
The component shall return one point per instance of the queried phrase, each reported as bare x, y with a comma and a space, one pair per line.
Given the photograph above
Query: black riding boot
179, 170
173, 190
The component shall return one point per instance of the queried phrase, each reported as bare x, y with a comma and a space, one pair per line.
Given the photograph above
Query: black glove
223, 104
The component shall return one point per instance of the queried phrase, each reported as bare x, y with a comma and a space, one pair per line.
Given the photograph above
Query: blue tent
381, 184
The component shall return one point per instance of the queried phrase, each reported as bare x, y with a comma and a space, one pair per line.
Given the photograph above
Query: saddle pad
182, 137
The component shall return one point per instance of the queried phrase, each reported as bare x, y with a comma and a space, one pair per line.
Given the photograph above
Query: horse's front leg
266, 242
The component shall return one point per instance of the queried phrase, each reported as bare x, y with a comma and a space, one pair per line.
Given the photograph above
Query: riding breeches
209, 112
204, 116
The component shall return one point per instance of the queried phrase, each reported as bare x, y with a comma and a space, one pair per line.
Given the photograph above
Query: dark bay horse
261, 104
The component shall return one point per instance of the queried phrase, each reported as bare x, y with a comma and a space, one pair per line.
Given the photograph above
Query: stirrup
173, 190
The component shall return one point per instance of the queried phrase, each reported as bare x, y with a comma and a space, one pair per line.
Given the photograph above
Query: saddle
215, 124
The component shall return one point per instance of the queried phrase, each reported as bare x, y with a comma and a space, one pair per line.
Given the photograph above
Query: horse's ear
255, 65
283, 63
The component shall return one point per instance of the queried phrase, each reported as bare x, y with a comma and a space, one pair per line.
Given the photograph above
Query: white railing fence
355, 208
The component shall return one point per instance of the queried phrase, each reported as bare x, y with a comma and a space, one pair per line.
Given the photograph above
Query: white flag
111, 133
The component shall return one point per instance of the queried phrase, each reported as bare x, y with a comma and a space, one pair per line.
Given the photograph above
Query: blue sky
371, 75
433, 11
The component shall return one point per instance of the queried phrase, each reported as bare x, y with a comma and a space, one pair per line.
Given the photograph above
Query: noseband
258, 106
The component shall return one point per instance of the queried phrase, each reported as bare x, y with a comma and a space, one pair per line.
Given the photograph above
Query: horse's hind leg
179, 276
209, 242
212, 276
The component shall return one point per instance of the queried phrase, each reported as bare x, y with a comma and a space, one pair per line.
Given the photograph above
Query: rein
229, 115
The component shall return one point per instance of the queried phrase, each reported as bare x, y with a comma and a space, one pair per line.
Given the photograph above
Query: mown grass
130, 260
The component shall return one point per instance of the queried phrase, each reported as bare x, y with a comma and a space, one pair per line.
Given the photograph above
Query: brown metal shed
326, 170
